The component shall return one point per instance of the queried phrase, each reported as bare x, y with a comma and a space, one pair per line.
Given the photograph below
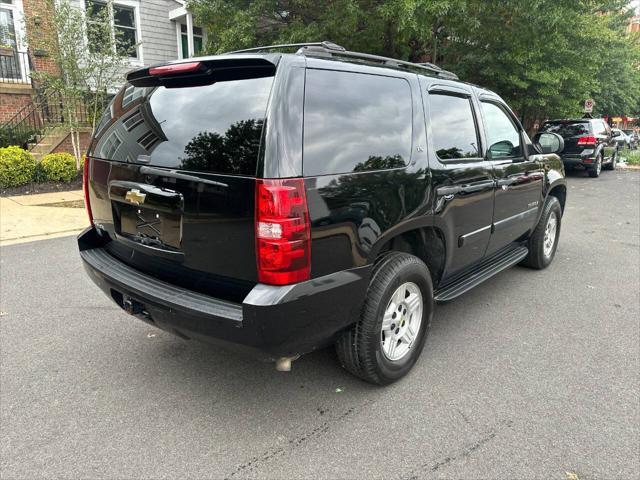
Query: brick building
19, 54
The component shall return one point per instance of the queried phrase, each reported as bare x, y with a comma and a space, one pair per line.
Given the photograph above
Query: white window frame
17, 8
133, 4
190, 44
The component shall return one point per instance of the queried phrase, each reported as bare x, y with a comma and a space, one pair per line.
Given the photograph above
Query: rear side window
599, 127
453, 127
213, 128
355, 122
567, 129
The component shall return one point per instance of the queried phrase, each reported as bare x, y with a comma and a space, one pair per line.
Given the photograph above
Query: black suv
589, 143
282, 202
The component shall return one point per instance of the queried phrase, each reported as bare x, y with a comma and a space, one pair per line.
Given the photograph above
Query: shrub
17, 167
58, 167
633, 157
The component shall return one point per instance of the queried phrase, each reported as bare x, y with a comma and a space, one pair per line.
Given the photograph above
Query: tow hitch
132, 307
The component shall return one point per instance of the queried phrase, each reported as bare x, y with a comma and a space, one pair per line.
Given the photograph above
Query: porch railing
14, 67
44, 112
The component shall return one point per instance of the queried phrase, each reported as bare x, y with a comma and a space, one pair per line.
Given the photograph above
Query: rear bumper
587, 161
271, 321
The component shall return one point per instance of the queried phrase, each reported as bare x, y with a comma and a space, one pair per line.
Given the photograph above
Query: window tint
453, 127
567, 128
212, 128
503, 139
355, 122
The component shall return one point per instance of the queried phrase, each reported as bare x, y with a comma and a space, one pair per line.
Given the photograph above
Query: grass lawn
632, 157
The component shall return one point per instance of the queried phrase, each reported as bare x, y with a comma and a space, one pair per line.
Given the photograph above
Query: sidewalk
26, 218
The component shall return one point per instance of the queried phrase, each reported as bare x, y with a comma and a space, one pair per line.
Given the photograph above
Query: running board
484, 271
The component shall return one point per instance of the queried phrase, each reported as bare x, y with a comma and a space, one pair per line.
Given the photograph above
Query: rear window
567, 129
213, 128
355, 122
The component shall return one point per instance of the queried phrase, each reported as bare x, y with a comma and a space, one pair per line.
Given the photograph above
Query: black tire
594, 172
537, 258
614, 160
359, 349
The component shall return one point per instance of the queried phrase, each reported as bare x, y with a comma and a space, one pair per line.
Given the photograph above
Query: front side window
503, 138
453, 127
355, 122
111, 26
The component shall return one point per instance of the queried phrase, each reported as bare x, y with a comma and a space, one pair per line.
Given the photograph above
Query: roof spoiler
202, 71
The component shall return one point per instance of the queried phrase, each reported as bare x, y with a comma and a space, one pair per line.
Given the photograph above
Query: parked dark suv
589, 143
283, 202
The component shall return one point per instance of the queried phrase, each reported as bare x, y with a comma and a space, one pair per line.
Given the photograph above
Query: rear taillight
85, 187
283, 237
587, 141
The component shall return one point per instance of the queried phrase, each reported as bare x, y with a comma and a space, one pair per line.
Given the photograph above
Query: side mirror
615, 134
548, 142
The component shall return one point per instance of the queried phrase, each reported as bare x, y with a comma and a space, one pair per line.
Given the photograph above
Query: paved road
531, 375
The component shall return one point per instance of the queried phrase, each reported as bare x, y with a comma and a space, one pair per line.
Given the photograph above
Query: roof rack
326, 45
331, 49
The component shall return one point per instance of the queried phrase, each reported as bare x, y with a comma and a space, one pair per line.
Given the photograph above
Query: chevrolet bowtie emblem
134, 196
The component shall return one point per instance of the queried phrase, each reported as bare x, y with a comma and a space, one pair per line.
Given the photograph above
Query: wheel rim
401, 322
550, 234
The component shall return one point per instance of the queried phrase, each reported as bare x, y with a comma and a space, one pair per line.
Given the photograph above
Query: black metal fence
14, 66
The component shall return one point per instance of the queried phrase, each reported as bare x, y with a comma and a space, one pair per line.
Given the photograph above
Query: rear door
173, 168
518, 178
605, 137
462, 180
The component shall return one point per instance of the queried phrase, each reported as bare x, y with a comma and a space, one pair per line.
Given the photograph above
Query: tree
85, 71
544, 57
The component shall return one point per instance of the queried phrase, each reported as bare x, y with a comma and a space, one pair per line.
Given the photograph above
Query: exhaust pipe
283, 364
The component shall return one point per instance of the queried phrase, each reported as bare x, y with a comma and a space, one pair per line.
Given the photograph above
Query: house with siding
152, 31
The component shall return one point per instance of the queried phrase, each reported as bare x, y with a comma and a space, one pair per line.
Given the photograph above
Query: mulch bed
45, 187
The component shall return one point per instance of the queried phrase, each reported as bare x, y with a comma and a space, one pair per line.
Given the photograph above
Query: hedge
17, 167
58, 167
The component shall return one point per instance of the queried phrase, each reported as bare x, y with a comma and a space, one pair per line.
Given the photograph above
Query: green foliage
58, 167
94, 67
544, 57
17, 167
18, 137
632, 157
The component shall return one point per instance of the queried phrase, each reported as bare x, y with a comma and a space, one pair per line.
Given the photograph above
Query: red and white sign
588, 105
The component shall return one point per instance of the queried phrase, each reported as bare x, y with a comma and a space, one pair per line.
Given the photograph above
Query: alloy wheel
401, 322
550, 234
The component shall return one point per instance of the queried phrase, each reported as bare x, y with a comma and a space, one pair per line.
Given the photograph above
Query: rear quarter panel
353, 214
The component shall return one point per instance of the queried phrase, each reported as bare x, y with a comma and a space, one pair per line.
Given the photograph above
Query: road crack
259, 460
464, 452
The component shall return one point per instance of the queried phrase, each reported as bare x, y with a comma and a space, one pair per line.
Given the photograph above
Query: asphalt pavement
534, 374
